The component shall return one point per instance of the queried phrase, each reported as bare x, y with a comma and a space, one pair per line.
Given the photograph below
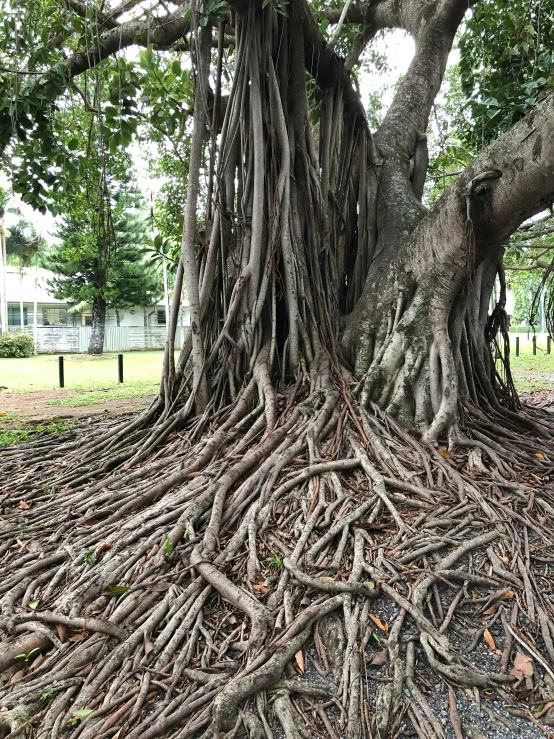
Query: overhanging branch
157, 31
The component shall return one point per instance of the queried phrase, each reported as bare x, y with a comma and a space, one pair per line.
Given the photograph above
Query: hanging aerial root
294, 573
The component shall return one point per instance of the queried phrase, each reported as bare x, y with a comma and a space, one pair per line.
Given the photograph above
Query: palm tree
23, 243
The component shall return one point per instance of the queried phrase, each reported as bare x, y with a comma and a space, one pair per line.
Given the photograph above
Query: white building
33, 286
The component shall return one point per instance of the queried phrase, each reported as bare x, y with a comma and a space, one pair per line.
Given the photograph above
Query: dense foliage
507, 57
16, 345
123, 278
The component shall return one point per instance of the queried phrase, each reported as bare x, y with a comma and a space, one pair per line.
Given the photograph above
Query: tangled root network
322, 575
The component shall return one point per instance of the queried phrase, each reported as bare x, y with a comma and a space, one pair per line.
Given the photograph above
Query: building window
86, 318
161, 317
54, 317
14, 316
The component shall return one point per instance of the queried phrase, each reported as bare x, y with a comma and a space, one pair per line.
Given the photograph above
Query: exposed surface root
327, 575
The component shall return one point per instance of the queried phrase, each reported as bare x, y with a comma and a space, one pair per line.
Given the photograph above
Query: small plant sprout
168, 548
275, 561
27, 656
89, 557
47, 693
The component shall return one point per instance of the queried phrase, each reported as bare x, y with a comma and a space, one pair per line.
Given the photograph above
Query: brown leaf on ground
159, 587
299, 657
523, 666
381, 658
487, 636
380, 624
148, 646
104, 547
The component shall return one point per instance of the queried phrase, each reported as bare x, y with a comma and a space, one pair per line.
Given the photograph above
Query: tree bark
96, 344
398, 334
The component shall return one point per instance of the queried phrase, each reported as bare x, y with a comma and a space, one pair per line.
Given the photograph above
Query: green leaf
116, 590
73, 144
33, 603
82, 713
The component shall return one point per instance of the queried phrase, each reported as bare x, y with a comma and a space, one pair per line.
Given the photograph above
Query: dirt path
33, 407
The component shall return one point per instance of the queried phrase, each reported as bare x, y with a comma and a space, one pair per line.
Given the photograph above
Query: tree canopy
126, 280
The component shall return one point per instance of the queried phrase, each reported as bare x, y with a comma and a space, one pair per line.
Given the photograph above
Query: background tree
23, 246
292, 476
122, 280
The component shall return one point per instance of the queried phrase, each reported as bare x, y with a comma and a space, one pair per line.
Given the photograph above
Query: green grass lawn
141, 374
142, 371
532, 373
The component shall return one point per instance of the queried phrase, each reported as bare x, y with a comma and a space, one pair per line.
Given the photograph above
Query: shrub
16, 345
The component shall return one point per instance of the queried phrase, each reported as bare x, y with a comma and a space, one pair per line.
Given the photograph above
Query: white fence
68, 340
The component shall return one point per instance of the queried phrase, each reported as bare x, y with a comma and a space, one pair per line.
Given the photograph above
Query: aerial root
314, 573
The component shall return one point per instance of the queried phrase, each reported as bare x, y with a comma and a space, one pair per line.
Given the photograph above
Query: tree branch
384, 13
522, 162
81, 9
433, 27
327, 68
537, 264
157, 31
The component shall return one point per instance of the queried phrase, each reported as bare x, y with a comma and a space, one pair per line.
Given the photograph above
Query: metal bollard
548, 344
60, 371
517, 346
120, 367
534, 344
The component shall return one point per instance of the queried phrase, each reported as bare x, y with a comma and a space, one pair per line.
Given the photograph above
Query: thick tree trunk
96, 344
400, 332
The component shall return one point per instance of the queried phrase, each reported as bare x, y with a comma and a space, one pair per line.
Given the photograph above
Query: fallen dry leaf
260, 587
23, 505
487, 636
381, 658
299, 657
159, 587
148, 646
491, 610
538, 455
444, 454
17, 677
523, 666
62, 632
380, 624
104, 547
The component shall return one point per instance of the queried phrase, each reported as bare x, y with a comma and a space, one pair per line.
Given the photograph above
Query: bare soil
34, 408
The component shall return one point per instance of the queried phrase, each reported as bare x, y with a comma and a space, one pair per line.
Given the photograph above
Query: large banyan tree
335, 517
